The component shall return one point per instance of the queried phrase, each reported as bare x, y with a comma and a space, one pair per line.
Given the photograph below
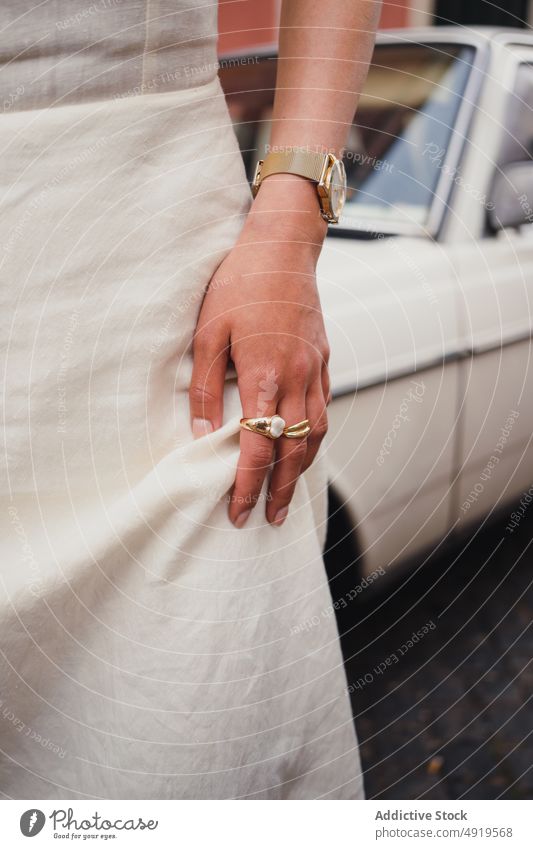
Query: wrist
289, 204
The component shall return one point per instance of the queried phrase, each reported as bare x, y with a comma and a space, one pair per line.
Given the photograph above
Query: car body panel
495, 297
391, 318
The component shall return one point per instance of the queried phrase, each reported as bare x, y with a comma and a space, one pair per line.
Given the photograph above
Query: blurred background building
249, 23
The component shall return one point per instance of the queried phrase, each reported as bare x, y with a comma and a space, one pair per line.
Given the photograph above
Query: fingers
287, 457
318, 419
256, 451
206, 391
254, 462
290, 455
326, 389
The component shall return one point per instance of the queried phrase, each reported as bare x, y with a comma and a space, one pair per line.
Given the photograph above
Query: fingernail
280, 516
242, 518
201, 427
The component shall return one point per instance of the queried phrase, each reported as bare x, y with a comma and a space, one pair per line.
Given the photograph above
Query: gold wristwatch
324, 169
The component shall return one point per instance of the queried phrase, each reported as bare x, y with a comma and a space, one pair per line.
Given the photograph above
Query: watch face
337, 190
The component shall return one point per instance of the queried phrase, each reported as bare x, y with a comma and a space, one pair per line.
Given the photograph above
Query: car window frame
439, 206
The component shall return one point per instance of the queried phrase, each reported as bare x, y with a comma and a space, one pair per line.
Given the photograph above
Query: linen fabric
148, 648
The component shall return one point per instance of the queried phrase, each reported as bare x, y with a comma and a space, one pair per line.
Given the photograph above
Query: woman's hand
262, 310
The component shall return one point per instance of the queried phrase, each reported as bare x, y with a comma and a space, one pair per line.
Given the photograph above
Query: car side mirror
511, 201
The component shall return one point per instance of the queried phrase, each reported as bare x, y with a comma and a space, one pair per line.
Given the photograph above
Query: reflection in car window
397, 145
406, 115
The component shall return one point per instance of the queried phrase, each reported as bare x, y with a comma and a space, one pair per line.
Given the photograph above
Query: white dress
148, 648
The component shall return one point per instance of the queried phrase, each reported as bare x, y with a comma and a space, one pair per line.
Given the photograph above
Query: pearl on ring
276, 426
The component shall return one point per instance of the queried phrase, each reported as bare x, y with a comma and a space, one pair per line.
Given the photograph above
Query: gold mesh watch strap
300, 162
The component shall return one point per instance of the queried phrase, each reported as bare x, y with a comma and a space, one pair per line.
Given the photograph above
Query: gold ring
298, 430
274, 426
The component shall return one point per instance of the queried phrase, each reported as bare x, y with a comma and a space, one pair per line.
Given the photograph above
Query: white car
426, 284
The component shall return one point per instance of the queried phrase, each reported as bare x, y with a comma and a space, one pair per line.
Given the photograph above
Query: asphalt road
441, 676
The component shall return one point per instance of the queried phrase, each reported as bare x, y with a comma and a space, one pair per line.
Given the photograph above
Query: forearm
324, 52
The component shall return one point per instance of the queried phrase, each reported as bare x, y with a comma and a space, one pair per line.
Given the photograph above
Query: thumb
206, 392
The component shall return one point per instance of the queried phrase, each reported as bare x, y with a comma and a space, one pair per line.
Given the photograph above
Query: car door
392, 324
494, 277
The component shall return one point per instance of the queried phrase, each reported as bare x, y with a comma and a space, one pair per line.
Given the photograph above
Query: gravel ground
447, 713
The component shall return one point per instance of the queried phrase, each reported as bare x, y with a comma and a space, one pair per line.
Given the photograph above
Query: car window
397, 146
